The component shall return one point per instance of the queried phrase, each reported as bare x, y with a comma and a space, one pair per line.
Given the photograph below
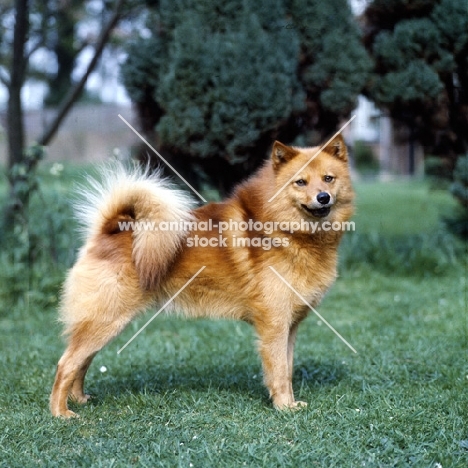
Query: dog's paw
293, 406
80, 399
67, 414
298, 405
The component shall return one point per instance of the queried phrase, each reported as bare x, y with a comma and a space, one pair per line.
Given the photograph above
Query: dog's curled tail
147, 207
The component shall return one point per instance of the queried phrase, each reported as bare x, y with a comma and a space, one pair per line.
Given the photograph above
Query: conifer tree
420, 53
215, 82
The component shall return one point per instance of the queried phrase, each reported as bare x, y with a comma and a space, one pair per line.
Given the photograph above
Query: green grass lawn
400, 208
190, 393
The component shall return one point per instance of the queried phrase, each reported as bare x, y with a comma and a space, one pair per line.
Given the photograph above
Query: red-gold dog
127, 265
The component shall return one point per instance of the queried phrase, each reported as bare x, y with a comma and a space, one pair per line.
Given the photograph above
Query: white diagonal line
312, 158
160, 157
313, 310
161, 309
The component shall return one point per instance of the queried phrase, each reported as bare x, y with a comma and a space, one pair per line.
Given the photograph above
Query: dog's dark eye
301, 182
328, 178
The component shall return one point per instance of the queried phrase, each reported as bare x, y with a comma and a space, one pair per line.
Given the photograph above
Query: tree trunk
15, 127
65, 52
411, 150
75, 92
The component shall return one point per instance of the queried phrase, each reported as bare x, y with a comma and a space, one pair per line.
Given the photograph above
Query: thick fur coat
124, 268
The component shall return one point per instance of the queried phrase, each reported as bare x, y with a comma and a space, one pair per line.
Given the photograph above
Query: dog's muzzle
321, 208
317, 212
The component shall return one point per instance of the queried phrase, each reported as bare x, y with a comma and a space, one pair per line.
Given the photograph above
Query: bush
416, 255
459, 189
364, 158
36, 253
218, 81
438, 171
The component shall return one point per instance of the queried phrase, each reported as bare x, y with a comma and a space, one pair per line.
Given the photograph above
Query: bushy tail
133, 202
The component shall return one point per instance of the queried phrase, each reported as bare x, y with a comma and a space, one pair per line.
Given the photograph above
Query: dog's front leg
276, 353
291, 343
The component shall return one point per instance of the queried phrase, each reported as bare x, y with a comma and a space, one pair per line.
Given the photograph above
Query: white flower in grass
56, 169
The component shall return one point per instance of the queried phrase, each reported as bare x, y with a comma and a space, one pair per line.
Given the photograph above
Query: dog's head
314, 180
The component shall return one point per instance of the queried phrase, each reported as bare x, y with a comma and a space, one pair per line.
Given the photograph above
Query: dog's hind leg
77, 391
86, 339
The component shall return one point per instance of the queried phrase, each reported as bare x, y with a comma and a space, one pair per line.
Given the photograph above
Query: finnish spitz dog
122, 270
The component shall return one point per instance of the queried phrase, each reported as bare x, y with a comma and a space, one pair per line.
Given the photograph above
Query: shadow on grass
243, 379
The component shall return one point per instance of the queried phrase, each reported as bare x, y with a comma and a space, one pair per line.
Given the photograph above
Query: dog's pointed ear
337, 148
282, 154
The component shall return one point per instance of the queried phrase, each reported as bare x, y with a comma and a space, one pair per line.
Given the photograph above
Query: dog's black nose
323, 198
